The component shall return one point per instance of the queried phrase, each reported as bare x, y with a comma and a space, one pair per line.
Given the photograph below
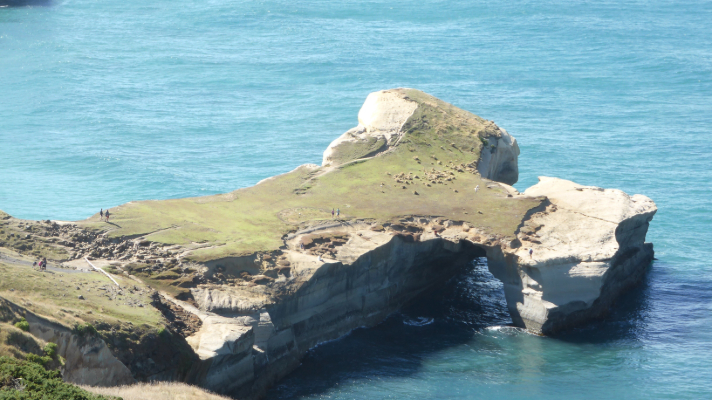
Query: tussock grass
157, 391
16, 343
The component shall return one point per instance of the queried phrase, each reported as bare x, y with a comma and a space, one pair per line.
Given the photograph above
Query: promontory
230, 291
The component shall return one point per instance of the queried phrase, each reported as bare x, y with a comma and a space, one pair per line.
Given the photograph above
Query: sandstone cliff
257, 277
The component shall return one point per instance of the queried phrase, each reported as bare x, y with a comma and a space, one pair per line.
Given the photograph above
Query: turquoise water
107, 102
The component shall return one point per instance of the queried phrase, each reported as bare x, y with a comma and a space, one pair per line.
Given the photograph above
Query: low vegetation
29, 380
22, 324
17, 343
75, 297
157, 391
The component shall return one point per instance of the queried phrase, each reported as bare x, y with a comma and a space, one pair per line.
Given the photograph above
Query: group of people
337, 213
42, 264
104, 214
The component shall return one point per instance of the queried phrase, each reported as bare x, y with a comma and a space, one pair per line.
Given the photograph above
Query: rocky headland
241, 285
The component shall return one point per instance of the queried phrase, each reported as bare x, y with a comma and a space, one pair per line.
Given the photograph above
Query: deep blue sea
104, 102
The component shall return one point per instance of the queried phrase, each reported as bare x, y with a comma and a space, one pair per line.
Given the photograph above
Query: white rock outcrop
379, 127
498, 159
381, 120
587, 246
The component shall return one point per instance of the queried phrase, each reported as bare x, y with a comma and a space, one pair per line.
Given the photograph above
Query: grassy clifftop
431, 171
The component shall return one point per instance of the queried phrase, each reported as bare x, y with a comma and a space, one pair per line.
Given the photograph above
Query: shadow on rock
627, 319
654, 308
446, 317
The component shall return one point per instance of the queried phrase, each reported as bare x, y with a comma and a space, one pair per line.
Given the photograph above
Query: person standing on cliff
332, 213
107, 215
338, 212
531, 251
101, 214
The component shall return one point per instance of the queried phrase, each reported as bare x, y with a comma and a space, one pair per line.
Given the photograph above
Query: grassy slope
35, 245
54, 295
255, 218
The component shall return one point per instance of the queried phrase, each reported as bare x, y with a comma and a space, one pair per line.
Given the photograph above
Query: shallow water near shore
107, 102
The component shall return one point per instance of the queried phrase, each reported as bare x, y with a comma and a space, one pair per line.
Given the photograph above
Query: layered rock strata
587, 247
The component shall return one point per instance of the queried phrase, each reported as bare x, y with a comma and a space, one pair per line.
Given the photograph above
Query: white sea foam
419, 321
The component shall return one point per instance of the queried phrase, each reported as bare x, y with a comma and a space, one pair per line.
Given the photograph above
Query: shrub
112, 270
84, 329
36, 383
23, 324
41, 360
51, 350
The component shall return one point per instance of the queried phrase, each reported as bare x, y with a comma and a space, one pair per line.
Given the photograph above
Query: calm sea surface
104, 102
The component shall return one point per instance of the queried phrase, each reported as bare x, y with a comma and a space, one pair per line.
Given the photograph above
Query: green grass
55, 296
256, 218
349, 151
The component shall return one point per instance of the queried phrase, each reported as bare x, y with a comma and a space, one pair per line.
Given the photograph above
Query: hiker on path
320, 259
107, 215
332, 213
531, 251
101, 214
337, 213
43, 264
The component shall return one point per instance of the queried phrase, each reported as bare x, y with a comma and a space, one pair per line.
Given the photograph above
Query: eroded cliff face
498, 159
587, 246
87, 359
373, 273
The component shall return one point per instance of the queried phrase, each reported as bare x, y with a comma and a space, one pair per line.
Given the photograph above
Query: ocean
106, 102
